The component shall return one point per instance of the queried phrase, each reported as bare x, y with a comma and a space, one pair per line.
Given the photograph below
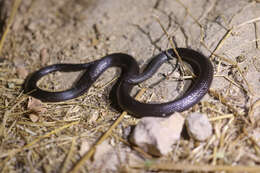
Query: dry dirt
57, 136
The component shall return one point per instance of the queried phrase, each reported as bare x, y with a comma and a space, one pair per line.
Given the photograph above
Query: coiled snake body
130, 76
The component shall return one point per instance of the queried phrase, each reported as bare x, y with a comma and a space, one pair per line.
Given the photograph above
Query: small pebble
93, 116
157, 135
198, 126
34, 118
10, 85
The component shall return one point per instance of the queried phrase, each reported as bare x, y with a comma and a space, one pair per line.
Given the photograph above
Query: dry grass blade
230, 80
221, 42
221, 117
187, 167
189, 13
64, 166
17, 81
248, 22
250, 89
256, 35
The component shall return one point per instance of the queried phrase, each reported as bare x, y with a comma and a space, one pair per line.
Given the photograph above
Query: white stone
157, 135
198, 126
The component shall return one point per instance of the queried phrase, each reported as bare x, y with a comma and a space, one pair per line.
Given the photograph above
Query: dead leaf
36, 105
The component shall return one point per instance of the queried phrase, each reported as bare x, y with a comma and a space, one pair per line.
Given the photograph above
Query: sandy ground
45, 32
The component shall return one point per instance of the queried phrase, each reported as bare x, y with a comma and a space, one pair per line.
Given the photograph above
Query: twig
64, 165
256, 35
248, 22
221, 117
188, 167
221, 42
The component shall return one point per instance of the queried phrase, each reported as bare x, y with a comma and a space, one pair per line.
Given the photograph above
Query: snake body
130, 76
